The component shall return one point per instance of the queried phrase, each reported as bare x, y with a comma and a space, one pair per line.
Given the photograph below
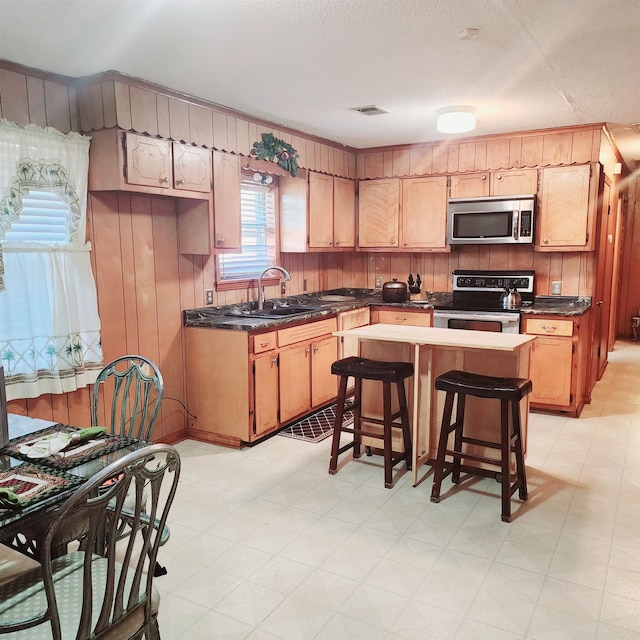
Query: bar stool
388, 373
509, 391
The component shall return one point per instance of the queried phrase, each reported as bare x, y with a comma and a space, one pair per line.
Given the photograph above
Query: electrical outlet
378, 282
556, 287
304, 284
208, 296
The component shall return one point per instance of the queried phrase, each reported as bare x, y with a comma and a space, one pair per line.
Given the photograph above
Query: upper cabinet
124, 161
379, 213
227, 201
508, 182
567, 208
409, 214
317, 214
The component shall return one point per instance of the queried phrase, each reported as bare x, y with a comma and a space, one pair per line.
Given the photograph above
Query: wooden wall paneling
324, 157
374, 165
310, 270
91, 107
60, 408
520, 257
164, 118
338, 162
253, 134
469, 259
401, 162
243, 144
440, 158
515, 152
453, 157
145, 277
556, 148
441, 272
388, 164
73, 107
555, 269
79, 406
331, 165
467, 156
220, 137
454, 263
232, 135
497, 154
310, 153
144, 114
167, 285
382, 262
542, 265
328, 271
400, 266
14, 97
19, 407
352, 165
187, 279
178, 120
37, 109
60, 107
41, 407
108, 105
571, 271
123, 105
587, 274
426, 270
532, 151
297, 142
581, 146
317, 147
420, 160
484, 256
200, 126
499, 257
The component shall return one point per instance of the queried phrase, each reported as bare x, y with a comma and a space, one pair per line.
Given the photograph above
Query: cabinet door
320, 210
191, 168
265, 379
350, 320
148, 161
470, 185
514, 182
402, 316
344, 212
424, 213
226, 201
378, 209
551, 368
295, 381
324, 385
563, 220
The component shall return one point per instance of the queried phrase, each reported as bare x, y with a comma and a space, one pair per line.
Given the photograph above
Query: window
44, 218
259, 245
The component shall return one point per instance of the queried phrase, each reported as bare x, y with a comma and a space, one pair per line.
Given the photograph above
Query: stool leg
404, 417
337, 427
445, 429
457, 439
388, 429
505, 451
520, 468
357, 418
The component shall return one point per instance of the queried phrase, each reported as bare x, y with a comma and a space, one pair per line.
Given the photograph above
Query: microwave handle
516, 225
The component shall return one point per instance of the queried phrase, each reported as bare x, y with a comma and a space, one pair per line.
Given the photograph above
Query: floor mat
318, 426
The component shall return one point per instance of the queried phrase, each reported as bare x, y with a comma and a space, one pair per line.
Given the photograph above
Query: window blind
258, 234
44, 218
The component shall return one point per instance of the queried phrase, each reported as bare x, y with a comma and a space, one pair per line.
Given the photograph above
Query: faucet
285, 277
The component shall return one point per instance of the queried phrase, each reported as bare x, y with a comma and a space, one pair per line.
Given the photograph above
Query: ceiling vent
370, 110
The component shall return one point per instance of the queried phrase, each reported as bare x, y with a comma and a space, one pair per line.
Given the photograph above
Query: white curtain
49, 324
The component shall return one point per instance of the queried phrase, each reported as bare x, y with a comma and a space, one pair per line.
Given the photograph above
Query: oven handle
509, 318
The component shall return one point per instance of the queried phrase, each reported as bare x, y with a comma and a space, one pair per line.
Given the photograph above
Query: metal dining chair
104, 589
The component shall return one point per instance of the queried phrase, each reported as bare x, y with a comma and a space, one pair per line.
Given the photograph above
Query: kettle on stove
511, 299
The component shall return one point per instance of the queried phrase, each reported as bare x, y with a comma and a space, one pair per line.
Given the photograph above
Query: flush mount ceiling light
456, 119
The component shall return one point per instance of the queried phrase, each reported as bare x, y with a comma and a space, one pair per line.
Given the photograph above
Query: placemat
74, 454
33, 483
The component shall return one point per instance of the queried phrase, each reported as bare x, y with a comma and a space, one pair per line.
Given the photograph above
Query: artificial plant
276, 150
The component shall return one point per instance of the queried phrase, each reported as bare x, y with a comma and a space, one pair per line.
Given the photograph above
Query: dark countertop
329, 303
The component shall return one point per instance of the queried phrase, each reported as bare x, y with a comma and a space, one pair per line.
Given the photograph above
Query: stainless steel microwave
491, 220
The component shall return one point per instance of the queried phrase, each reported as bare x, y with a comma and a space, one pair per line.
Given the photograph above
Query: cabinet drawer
265, 342
546, 327
413, 318
306, 331
353, 319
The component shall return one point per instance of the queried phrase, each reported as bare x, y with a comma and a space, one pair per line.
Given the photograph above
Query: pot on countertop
394, 291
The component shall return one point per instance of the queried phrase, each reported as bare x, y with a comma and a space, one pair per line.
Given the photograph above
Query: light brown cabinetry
507, 182
350, 320
412, 317
424, 213
567, 211
244, 385
226, 201
319, 215
378, 213
558, 363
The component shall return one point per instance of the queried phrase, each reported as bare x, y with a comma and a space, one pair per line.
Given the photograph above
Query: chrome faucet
285, 277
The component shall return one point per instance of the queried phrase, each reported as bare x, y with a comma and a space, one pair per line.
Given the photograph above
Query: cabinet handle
401, 318
180, 181
337, 243
165, 179
315, 348
405, 243
307, 350
499, 176
545, 241
483, 178
275, 360
265, 344
550, 328
220, 240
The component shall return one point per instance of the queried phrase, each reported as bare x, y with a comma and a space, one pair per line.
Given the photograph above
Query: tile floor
266, 545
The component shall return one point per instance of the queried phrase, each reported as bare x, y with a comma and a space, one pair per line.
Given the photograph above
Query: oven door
477, 321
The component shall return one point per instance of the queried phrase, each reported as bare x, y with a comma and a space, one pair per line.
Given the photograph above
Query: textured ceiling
306, 63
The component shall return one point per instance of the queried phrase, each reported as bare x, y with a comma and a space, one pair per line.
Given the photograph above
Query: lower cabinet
241, 386
558, 363
411, 317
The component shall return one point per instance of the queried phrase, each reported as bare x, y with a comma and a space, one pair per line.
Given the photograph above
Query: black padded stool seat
509, 391
388, 373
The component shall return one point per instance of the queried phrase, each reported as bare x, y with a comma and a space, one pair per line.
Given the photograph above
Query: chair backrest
132, 389
114, 581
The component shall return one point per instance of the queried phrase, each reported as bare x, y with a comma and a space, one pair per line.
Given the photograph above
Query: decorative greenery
276, 150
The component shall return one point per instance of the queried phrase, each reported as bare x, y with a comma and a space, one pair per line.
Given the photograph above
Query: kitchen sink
276, 312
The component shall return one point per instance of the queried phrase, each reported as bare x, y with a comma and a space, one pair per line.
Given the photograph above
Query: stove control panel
487, 281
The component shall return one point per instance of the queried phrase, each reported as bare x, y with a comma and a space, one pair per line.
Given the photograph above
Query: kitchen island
432, 352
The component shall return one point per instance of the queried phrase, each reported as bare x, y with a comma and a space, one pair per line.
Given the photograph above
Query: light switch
556, 287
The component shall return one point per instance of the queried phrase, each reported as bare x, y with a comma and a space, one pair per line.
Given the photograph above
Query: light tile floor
266, 545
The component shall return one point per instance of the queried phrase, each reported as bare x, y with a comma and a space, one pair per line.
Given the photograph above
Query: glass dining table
40, 483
